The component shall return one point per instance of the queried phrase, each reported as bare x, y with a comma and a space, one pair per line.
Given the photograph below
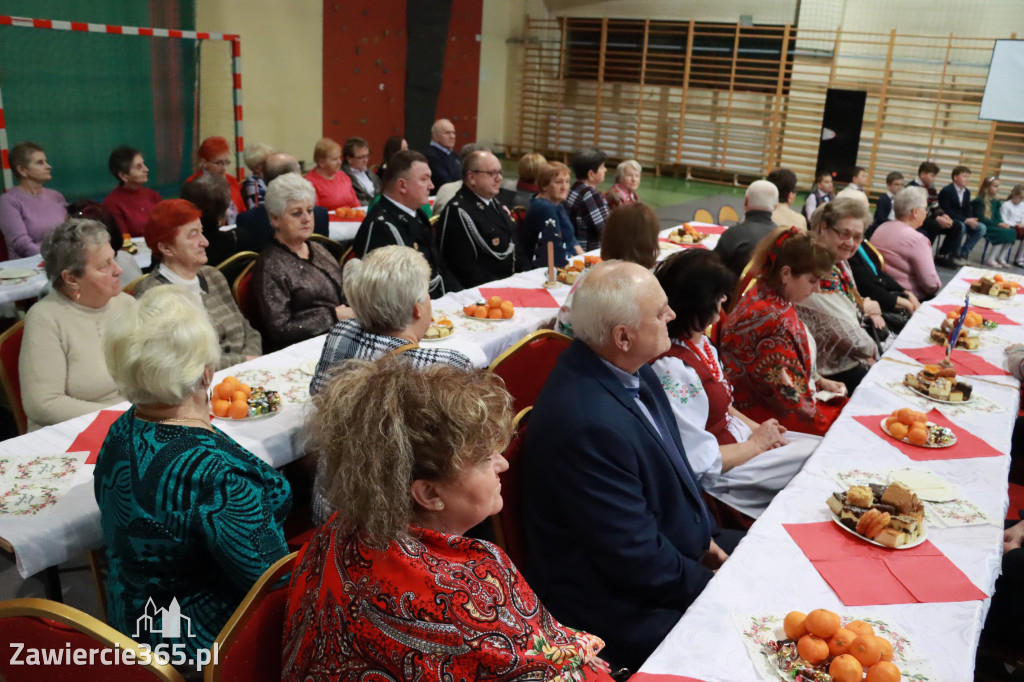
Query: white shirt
405, 208
191, 286
364, 180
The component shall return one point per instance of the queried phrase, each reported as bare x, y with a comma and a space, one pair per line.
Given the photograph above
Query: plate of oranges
231, 399
913, 427
495, 309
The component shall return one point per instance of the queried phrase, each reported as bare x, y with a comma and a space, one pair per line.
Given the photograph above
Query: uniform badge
496, 241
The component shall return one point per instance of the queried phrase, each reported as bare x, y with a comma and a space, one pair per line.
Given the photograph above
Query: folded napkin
864, 574
708, 228
91, 439
522, 298
998, 318
964, 362
967, 444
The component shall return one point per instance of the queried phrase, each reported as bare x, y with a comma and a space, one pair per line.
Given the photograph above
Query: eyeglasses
361, 156
856, 237
221, 162
493, 173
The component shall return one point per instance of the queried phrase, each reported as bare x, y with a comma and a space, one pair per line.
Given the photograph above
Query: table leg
51, 584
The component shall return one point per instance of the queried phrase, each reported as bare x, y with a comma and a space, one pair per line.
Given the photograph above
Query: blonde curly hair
379, 426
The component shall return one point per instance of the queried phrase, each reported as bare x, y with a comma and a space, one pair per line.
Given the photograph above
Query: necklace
707, 358
186, 421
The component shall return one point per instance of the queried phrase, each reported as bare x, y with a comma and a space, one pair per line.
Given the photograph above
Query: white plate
19, 273
486, 319
308, 366
966, 350
904, 440
441, 338
921, 538
926, 485
944, 402
257, 418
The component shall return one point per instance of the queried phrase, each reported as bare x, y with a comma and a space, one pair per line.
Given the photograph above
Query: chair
58, 628
130, 287
728, 214
233, 266
10, 349
508, 523
334, 248
241, 291
703, 216
250, 642
525, 366
349, 254
518, 215
874, 250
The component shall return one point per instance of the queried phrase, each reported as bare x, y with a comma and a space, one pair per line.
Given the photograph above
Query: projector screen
1004, 97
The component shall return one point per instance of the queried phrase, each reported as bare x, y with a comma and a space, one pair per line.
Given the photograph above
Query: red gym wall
364, 70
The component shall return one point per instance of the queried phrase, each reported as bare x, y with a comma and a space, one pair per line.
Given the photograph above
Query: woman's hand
871, 307
599, 664
768, 435
831, 386
343, 312
1013, 537
905, 304
579, 250
878, 321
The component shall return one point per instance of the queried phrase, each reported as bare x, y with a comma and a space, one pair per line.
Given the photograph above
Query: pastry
860, 496
940, 388
872, 523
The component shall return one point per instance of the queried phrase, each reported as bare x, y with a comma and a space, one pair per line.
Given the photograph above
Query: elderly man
446, 193
253, 226
444, 163
356, 165
398, 219
620, 542
738, 242
476, 236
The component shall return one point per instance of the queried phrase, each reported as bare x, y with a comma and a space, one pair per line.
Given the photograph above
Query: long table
769, 574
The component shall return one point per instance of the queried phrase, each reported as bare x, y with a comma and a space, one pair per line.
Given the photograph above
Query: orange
906, 416
845, 668
507, 313
898, 430
495, 314
822, 622
481, 312
883, 672
997, 278
469, 310
220, 407
222, 391
237, 396
866, 649
230, 381
917, 436
860, 627
887, 652
812, 649
508, 305
494, 302
794, 625
239, 409
840, 642
953, 314
890, 421
245, 388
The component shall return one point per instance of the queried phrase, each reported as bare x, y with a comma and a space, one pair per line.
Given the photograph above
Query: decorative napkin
683, 246
967, 444
998, 318
860, 573
35, 483
964, 362
91, 440
522, 298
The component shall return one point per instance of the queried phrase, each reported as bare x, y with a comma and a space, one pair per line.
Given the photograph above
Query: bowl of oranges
495, 309
913, 427
231, 399
819, 643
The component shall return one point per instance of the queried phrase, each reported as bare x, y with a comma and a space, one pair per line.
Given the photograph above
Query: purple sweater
26, 218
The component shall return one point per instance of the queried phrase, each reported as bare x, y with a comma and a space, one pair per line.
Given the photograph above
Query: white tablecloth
768, 573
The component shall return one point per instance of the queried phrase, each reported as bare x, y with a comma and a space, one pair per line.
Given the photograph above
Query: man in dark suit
441, 156
475, 231
253, 226
737, 243
397, 218
356, 165
955, 200
619, 540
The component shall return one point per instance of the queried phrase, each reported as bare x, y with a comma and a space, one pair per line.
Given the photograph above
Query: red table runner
998, 318
91, 439
522, 298
965, 363
967, 444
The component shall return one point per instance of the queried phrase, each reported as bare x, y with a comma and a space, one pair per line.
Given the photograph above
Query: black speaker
840, 133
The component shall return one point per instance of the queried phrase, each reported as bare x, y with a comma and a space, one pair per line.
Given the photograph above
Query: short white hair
601, 303
157, 350
621, 169
285, 189
909, 198
256, 154
384, 285
762, 196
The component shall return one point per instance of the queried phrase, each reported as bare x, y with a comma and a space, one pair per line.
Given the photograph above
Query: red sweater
131, 208
334, 192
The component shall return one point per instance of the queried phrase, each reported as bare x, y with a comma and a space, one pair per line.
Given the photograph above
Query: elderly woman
60, 368
365, 182
175, 236
768, 355
836, 314
186, 512
253, 187
630, 234
546, 220
215, 159
907, 253
407, 485
738, 461
130, 202
92, 210
627, 180
333, 188
297, 282
212, 196
29, 211
1000, 234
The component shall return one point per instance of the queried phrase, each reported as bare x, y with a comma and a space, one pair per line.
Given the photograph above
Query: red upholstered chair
250, 644
4, 253
508, 523
10, 349
48, 626
242, 292
525, 366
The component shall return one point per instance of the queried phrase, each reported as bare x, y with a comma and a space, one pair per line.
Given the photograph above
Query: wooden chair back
525, 366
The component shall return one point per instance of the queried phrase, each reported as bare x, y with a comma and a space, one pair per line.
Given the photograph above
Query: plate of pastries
939, 383
885, 515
